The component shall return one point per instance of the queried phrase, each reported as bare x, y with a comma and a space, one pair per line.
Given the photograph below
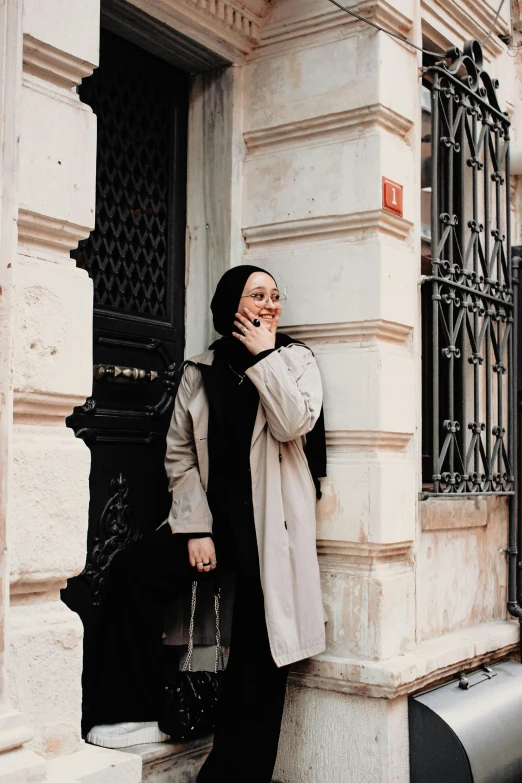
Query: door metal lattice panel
471, 281
126, 254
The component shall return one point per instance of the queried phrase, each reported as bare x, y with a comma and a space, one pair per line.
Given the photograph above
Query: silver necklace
241, 377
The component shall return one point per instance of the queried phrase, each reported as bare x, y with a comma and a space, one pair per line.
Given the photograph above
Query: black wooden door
135, 258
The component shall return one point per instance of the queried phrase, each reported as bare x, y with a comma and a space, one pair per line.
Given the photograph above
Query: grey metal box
473, 734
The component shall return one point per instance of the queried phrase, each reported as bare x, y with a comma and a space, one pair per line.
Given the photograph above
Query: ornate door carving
135, 258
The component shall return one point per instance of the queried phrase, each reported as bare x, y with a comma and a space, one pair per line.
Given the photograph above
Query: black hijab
225, 301
224, 306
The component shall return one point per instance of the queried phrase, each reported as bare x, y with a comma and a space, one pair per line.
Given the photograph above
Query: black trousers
146, 577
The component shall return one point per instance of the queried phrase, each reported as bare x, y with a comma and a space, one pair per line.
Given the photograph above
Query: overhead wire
384, 30
488, 36
404, 40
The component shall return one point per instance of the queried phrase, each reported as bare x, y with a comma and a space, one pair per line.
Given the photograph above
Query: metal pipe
435, 218
515, 526
462, 263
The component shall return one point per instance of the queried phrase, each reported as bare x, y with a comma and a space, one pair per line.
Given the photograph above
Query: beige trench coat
290, 393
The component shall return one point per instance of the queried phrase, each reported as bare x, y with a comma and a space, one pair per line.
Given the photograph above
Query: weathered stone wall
287, 150
412, 590
52, 369
461, 564
49, 333
323, 123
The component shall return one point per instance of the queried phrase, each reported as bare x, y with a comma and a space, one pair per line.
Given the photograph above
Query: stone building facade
297, 111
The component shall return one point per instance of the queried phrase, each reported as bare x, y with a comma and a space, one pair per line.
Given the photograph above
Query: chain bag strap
192, 697
219, 664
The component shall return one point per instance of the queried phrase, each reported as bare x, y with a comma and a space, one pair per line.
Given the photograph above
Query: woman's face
265, 309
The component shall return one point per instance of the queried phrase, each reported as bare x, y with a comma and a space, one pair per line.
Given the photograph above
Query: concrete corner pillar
324, 123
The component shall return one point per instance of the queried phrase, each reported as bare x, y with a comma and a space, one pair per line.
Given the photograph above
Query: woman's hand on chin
202, 554
255, 338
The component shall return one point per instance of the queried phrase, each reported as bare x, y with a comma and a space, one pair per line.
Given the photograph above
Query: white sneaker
124, 735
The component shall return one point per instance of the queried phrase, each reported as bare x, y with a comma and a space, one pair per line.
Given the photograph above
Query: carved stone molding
463, 514
229, 28
341, 555
46, 408
339, 126
330, 25
240, 20
355, 227
341, 442
53, 65
351, 332
451, 22
433, 661
23, 592
43, 236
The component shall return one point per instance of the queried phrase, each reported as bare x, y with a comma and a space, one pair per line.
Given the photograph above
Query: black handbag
192, 698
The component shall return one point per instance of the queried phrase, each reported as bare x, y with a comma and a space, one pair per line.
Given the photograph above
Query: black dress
247, 734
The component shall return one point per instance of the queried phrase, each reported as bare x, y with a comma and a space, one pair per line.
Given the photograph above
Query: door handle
113, 372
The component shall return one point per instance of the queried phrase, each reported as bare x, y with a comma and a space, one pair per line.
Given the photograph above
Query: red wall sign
392, 196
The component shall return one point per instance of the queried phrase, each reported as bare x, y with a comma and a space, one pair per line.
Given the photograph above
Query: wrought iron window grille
468, 321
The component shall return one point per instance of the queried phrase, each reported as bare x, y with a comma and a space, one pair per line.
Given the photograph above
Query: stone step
95, 765
172, 762
22, 766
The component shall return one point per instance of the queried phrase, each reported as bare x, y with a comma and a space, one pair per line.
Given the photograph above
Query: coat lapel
259, 425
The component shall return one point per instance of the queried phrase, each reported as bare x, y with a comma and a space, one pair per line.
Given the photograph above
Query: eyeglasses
262, 299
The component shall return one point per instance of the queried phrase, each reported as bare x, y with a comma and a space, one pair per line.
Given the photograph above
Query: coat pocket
202, 455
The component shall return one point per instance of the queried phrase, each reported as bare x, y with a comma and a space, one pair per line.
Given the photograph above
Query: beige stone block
72, 26
309, 182
370, 608
368, 496
45, 668
49, 504
354, 278
462, 567
57, 157
53, 338
398, 65
368, 388
295, 86
336, 737
315, 60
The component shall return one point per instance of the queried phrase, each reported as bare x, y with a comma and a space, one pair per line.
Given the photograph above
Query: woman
245, 450
240, 479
